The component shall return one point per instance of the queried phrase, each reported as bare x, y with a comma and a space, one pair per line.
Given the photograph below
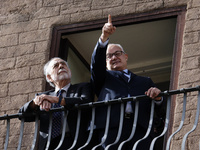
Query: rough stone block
56, 2
114, 11
36, 71
192, 25
3, 90
13, 103
195, 3
191, 63
13, 139
191, 50
45, 12
34, 36
27, 140
193, 13
8, 63
171, 3
192, 37
8, 40
96, 4
5, 53
23, 87
192, 142
31, 59
74, 8
2, 141
17, 101
86, 16
185, 76
130, 2
21, 50
42, 46
14, 75
54, 21
129, 9
149, 6
19, 27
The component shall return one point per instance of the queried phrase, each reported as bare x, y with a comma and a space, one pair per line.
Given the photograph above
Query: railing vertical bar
77, 130
63, 130
149, 127
7, 134
106, 129
166, 123
199, 145
120, 127
91, 129
181, 123
21, 134
36, 132
50, 131
134, 125
195, 124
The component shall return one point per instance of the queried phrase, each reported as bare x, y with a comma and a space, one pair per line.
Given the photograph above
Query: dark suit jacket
76, 94
110, 85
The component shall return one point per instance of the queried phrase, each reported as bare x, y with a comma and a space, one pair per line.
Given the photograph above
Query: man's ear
49, 77
126, 55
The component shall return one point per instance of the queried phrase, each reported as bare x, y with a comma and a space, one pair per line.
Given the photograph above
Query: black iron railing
93, 105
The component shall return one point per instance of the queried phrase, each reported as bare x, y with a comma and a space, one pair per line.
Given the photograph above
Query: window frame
179, 12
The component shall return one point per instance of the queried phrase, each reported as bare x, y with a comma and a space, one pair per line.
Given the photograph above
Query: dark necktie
57, 117
124, 76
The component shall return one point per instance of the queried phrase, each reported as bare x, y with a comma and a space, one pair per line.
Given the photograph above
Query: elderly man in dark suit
58, 74
107, 64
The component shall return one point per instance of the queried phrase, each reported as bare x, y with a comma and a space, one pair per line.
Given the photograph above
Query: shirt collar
66, 87
125, 70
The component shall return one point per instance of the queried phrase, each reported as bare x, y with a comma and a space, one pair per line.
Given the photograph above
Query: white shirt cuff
103, 44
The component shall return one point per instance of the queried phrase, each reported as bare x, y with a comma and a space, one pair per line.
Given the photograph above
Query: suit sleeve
98, 67
82, 93
26, 109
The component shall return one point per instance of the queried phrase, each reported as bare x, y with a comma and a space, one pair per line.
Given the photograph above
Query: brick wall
25, 35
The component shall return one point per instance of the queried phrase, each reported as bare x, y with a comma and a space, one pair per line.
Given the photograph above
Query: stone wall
25, 36
189, 76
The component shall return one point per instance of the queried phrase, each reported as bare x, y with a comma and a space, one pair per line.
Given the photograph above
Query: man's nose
113, 57
61, 66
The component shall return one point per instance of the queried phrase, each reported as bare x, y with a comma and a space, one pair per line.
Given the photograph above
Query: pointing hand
107, 29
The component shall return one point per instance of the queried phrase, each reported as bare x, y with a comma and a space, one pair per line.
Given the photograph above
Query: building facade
30, 32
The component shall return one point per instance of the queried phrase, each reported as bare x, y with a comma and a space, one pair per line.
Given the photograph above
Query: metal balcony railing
93, 105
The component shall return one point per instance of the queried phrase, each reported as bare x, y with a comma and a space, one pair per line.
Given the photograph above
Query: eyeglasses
117, 54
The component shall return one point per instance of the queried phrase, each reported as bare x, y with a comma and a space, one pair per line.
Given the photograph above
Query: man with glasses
112, 80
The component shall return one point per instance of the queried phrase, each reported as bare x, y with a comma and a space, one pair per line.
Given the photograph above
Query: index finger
109, 19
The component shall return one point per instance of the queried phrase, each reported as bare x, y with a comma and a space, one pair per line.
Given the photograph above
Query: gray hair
47, 69
118, 45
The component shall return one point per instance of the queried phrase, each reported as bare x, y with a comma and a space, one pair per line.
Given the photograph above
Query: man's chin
116, 68
64, 77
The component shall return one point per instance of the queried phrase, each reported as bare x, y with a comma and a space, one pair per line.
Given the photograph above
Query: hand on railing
153, 92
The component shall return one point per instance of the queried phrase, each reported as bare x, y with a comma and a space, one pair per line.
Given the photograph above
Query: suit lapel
124, 77
118, 75
70, 91
132, 77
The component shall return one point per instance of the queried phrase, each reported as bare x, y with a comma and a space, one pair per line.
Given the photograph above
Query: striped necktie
57, 118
